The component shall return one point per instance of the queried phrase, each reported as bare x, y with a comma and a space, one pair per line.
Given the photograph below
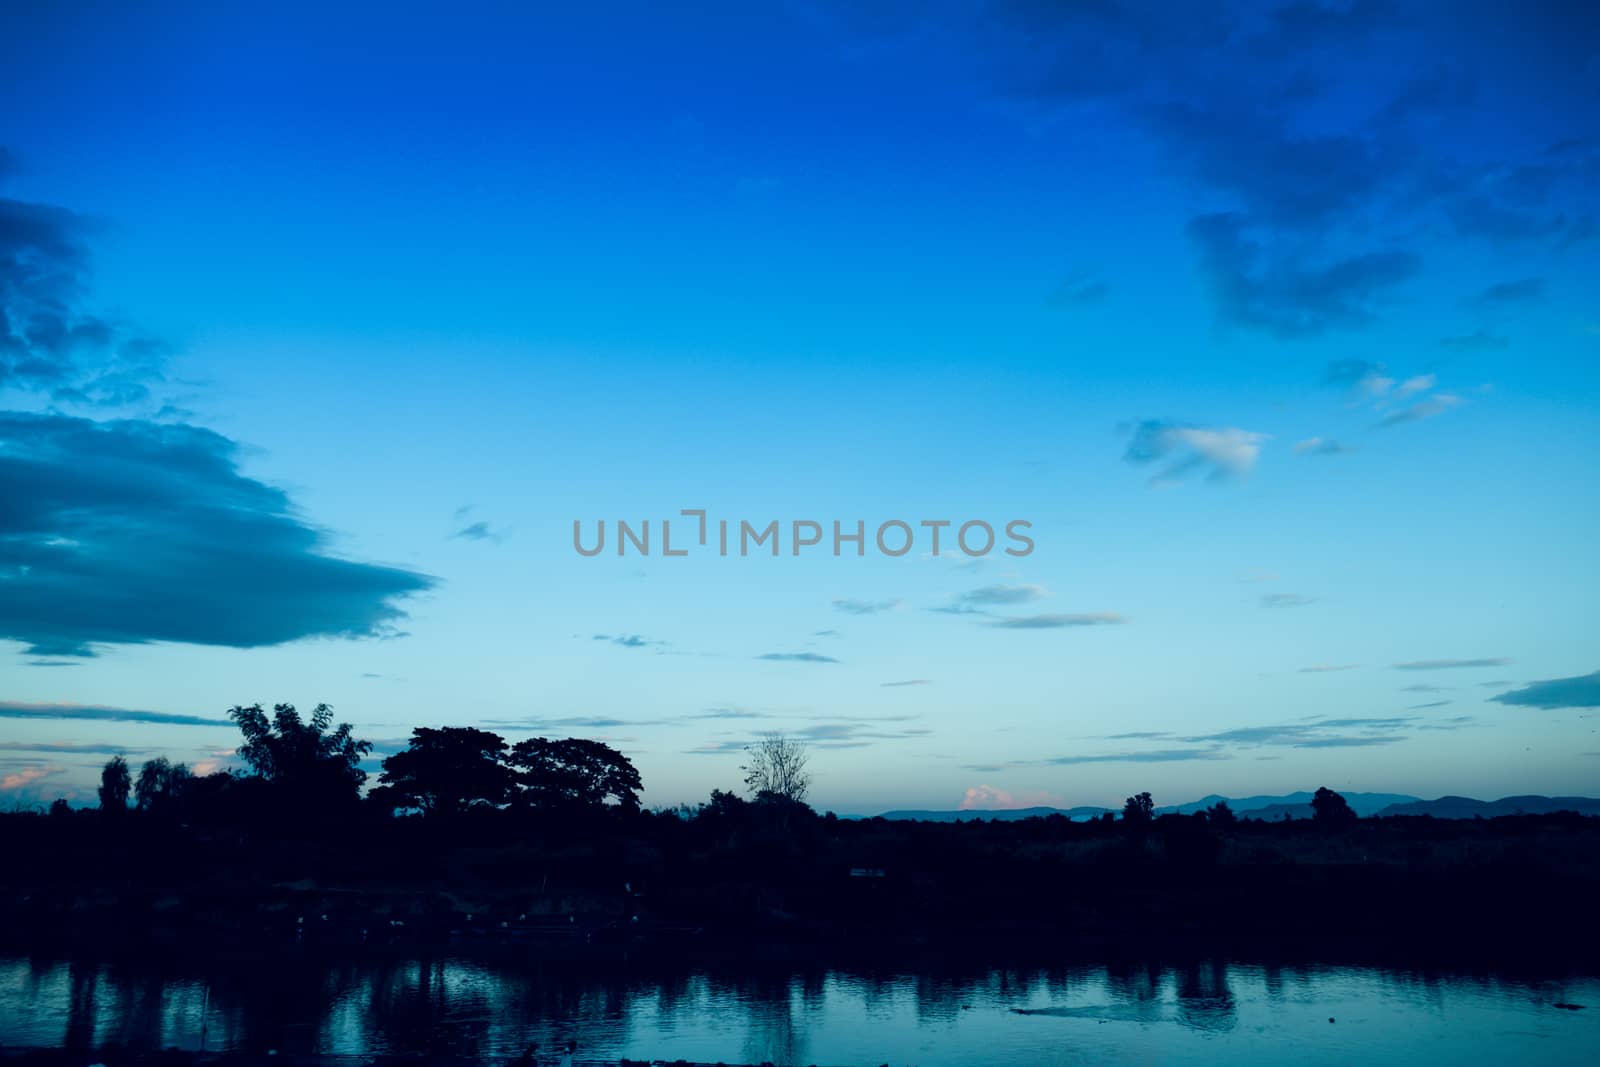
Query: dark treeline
463, 835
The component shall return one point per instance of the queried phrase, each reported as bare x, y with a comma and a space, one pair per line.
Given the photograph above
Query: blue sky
1277, 322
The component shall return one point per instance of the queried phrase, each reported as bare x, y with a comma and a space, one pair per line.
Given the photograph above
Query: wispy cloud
980, 601
1080, 291
70, 748
1322, 446
1286, 600
1476, 341
17, 781
864, 607
1328, 668
1450, 664
98, 713
796, 657
478, 531
1510, 294
627, 640
1429, 408
1290, 301
1318, 733
1219, 454
1580, 691
1056, 622
908, 681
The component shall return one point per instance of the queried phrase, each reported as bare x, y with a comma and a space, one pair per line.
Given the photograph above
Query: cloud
18, 781
69, 748
1321, 733
1286, 600
1160, 755
864, 607
1510, 294
1080, 292
478, 531
1348, 742
1450, 664
586, 722
1582, 691
1326, 668
129, 532
836, 732
627, 640
988, 798
1221, 454
1429, 704
797, 657
96, 713
50, 341
1477, 341
1291, 300
1422, 409
908, 681
991, 595
729, 713
1322, 446
1056, 622
979, 601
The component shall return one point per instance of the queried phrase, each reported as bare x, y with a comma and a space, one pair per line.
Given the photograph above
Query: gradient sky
1279, 323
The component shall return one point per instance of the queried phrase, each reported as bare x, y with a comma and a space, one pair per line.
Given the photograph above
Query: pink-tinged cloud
26, 777
988, 798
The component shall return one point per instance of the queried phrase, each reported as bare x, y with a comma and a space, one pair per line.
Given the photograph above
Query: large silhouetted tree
309, 760
1331, 809
1139, 809
777, 767
574, 773
115, 784
446, 771
160, 782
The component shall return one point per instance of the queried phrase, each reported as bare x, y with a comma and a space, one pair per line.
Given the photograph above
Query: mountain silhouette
1291, 805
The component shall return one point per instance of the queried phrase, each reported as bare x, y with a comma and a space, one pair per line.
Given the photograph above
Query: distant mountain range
1297, 806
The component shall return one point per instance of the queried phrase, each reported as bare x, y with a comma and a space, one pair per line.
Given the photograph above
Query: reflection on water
1204, 1012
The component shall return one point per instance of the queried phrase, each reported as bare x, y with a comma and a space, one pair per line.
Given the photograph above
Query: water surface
1204, 1012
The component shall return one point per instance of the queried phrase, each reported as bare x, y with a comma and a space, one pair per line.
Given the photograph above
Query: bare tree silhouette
778, 767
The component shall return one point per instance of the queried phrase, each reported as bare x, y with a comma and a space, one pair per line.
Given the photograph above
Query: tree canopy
308, 758
115, 784
1139, 808
445, 771
574, 772
1331, 809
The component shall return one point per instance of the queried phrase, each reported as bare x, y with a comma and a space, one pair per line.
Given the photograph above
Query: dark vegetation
465, 836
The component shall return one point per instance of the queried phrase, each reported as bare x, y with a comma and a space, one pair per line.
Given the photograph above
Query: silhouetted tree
160, 782
305, 759
115, 785
778, 767
1331, 809
59, 807
445, 771
573, 773
1221, 815
1139, 809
